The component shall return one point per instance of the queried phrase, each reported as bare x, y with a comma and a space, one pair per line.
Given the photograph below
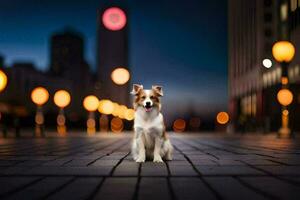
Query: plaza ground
205, 166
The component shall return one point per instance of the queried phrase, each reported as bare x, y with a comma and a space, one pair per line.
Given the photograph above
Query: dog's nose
148, 103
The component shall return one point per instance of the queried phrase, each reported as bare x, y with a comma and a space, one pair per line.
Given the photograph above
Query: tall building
254, 26
67, 61
112, 52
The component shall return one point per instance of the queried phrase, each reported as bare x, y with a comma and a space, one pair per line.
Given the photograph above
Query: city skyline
155, 55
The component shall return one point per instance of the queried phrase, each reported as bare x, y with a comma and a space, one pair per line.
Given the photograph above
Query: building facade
254, 26
112, 53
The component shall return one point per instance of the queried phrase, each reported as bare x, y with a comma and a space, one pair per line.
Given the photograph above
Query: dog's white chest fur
148, 121
148, 140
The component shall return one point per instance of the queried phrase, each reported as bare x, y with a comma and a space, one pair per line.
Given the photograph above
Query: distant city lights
120, 76
62, 98
3, 80
114, 19
285, 97
116, 125
106, 107
39, 96
222, 118
283, 51
91, 103
267, 63
179, 125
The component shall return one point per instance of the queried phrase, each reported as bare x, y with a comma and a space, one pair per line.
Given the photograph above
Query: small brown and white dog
150, 138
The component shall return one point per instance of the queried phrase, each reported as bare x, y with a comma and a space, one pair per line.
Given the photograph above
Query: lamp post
3, 83
283, 52
39, 96
91, 104
62, 99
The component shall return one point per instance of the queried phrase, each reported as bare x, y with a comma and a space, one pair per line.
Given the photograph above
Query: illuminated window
293, 5
253, 105
278, 74
284, 12
297, 69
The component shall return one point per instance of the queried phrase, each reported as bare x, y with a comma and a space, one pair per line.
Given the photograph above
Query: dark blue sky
181, 45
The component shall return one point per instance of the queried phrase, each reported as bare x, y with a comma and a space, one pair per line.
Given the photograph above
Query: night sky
181, 45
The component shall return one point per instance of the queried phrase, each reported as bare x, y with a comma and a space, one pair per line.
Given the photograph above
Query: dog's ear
158, 90
136, 89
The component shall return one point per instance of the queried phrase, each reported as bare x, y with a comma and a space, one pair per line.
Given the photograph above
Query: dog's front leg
141, 147
157, 148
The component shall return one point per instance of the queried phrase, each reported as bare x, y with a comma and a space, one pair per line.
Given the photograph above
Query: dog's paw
140, 160
157, 159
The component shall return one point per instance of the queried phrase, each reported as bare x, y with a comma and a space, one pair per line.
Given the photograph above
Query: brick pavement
100, 167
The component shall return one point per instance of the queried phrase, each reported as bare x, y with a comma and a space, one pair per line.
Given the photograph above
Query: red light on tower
114, 18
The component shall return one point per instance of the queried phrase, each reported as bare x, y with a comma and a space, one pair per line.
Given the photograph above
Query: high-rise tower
112, 52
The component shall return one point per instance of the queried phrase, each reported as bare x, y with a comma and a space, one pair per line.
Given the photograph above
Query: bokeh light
106, 107
120, 76
3, 80
283, 51
62, 98
115, 112
285, 97
91, 103
129, 114
39, 118
114, 19
222, 118
121, 111
267, 63
61, 120
103, 123
116, 125
39, 96
179, 125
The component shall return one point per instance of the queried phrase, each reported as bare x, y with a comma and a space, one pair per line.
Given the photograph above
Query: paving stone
191, 188
127, 168
80, 188
153, 188
180, 170
75, 171
102, 162
150, 168
282, 170
274, 187
40, 189
227, 170
230, 188
78, 162
10, 184
117, 188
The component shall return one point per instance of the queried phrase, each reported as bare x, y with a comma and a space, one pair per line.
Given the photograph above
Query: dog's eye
143, 97
151, 97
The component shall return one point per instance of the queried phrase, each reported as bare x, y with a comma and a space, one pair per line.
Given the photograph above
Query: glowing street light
116, 125
222, 118
39, 96
129, 114
283, 52
179, 125
3, 80
114, 19
120, 76
91, 104
106, 107
267, 63
285, 97
62, 99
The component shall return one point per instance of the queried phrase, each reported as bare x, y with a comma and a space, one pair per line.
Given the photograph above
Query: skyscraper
112, 52
254, 26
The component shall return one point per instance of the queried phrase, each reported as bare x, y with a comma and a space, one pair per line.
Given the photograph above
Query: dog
150, 139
